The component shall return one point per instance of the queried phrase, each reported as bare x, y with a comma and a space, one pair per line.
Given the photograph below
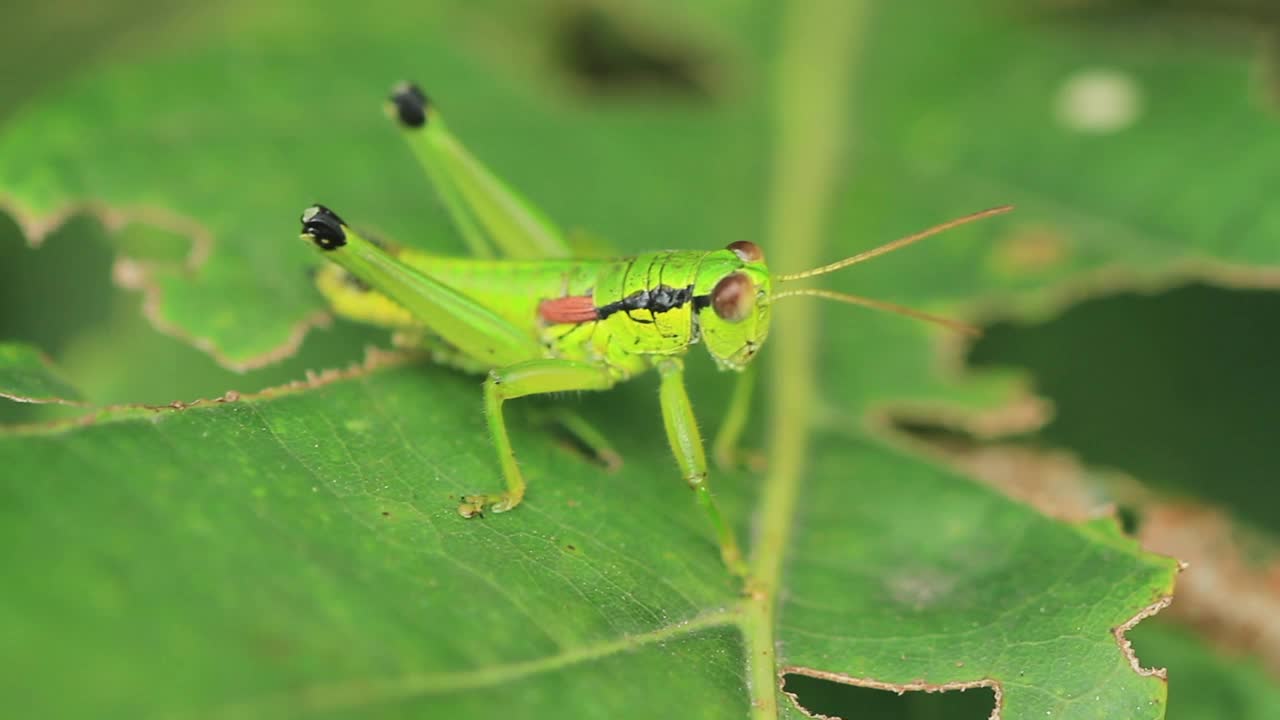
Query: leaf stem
814, 81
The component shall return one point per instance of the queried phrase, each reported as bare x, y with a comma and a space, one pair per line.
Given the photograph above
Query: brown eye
733, 297
747, 251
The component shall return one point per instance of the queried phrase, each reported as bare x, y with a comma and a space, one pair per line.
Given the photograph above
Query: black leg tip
324, 227
410, 105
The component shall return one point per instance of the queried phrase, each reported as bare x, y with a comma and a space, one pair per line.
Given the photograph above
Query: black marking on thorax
660, 299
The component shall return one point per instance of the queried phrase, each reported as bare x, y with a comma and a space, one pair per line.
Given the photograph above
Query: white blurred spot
1099, 101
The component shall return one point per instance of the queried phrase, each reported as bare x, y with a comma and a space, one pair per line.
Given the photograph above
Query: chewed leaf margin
144, 277
375, 359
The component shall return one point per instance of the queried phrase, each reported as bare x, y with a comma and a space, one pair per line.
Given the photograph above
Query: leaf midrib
814, 81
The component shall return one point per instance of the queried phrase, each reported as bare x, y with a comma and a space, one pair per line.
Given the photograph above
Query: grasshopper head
732, 297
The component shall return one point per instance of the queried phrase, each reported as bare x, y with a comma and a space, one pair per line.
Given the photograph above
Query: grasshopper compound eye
734, 297
747, 251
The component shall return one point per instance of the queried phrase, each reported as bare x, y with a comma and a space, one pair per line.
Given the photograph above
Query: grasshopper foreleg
686, 443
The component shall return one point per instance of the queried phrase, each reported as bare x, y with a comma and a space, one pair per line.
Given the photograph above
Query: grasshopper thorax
732, 297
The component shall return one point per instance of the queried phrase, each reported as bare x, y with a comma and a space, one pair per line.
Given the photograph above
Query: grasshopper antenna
896, 244
955, 325
876, 252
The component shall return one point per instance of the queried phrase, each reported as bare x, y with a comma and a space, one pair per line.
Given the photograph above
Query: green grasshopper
538, 320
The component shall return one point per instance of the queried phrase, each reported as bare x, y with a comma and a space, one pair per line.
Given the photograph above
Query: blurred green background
1174, 388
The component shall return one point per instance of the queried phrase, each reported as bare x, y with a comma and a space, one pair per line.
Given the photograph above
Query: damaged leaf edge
139, 276
375, 359
899, 688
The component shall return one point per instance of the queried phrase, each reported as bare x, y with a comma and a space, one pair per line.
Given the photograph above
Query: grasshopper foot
474, 505
610, 458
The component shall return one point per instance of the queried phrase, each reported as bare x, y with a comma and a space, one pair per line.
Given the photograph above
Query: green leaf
968, 583
27, 376
301, 552
298, 552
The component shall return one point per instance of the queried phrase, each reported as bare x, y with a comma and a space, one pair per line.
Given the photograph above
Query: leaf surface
298, 551
27, 376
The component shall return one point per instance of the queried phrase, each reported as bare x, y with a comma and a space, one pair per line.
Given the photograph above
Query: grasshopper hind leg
492, 218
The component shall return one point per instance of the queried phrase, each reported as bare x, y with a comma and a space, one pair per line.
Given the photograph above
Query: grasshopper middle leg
531, 377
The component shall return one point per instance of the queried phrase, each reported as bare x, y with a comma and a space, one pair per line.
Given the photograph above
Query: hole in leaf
50, 294
936, 434
608, 55
1178, 389
821, 697
1129, 518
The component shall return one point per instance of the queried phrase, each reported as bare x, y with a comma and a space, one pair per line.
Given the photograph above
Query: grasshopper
537, 320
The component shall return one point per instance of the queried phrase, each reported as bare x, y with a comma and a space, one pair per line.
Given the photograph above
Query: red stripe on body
573, 309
